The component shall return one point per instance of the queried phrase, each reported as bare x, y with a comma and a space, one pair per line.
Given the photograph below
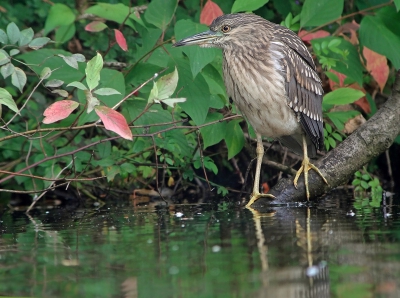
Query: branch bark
338, 165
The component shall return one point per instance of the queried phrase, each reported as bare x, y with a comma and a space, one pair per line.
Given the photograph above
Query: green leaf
340, 118
234, 139
171, 102
78, 85
46, 72
366, 177
104, 149
364, 184
381, 37
112, 12
351, 66
7, 100
332, 76
18, 78
48, 57
54, 83
3, 37
7, 70
356, 182
198, 57
328, 128
210, 165
14, 52
160, 12
4, 57
65, 33
397, 4
216, 84
79, 57
318, 12
149, 40
337, 136
247, 5
60, 92
342, 96
39, 42
25, 37
332, 142
374, 183
92, 71
59, 15
106, 91
13, 33
215, 133
70, 60
165, 86
195, 91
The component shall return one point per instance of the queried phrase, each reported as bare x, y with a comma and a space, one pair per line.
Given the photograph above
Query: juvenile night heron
271, 77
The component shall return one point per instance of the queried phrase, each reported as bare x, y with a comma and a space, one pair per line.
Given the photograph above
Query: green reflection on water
200, 252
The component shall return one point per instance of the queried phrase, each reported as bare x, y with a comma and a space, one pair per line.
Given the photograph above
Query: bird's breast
258, 89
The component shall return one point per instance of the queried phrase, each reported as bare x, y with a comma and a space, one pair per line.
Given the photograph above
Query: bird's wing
303, 86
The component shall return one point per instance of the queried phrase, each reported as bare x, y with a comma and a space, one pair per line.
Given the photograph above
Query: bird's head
227, 31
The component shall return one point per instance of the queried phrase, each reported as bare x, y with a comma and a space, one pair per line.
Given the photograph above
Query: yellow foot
256, 196
306, 165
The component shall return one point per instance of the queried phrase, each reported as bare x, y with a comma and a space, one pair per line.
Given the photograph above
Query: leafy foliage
166, 107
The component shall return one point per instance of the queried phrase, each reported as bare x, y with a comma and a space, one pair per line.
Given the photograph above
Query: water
330, 250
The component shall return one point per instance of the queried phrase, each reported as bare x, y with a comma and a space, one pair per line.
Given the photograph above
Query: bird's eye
225, 28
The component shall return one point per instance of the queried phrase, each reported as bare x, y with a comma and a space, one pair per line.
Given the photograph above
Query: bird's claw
255, 196
306, 165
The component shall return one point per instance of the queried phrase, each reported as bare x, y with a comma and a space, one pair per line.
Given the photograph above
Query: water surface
118, 250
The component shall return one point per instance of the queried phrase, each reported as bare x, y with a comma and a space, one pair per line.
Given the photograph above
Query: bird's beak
200, 39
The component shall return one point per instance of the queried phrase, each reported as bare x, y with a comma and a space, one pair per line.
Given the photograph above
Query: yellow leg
306, 165
256, 193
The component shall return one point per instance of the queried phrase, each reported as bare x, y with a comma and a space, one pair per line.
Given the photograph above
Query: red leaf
121, 41
114, 121
95, 26
59, 110
377, 66
362, 102
341, 77
307, 37
210, 11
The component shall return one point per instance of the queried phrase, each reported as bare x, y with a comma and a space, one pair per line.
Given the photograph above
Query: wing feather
303, 85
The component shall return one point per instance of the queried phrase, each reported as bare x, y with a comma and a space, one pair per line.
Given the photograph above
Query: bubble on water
216, 248
312, 271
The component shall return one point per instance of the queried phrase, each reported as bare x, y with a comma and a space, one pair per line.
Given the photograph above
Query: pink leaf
59, 110
377, 66
114, 121
210, 11
307, 37
341, 78
121, 41
95, 26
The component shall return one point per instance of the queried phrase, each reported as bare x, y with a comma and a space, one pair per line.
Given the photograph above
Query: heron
272, 79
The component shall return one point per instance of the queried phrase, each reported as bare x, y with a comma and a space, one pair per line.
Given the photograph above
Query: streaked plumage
272, 79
